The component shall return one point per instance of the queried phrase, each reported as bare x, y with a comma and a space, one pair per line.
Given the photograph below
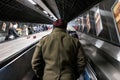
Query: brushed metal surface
95, 48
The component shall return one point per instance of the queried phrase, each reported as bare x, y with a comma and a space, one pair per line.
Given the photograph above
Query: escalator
98, 66
102, 57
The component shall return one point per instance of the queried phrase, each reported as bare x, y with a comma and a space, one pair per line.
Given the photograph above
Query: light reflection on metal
99, 43
45, 12
116, 76
32, 2
118, 56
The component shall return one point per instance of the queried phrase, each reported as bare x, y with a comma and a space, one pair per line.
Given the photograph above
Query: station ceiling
24, 11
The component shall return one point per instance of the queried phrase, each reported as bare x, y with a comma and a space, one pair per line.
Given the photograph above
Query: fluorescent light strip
32, 2
45, 12
49, 16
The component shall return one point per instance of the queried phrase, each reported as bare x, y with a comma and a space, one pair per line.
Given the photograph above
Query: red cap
59, 23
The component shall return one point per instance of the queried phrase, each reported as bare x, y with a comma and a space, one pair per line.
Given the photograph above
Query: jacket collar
59, 30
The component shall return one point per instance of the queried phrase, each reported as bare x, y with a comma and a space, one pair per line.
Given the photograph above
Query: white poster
98, 22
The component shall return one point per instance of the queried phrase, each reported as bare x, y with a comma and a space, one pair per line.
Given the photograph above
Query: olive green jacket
58, 57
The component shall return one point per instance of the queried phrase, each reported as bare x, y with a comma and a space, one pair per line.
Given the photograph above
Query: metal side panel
17, 68
108, 51
90, 72
104, 68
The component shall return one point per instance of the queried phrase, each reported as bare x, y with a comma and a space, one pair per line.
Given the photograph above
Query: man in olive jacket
58, 56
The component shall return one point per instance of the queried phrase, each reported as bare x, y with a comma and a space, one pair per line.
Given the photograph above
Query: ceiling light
55, 18
51, 16
45, 12
31, 1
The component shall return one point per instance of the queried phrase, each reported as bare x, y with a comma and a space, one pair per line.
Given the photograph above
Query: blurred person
30, 30
45, 27
11, 33
3, 31
19, 31
58, 56
73, 34
15, 25
25, 30
3, 28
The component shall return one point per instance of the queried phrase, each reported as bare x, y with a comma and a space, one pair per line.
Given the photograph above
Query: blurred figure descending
58, 56
25, 30
12, 34
3, 29
73, 34
15, 25
30, 30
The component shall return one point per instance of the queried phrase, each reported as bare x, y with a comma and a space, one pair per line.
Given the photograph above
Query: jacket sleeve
37, 61
81, 59
15, 33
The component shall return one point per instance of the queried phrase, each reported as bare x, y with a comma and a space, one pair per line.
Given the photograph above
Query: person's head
3, 26
11, 25
60, 23
15, 25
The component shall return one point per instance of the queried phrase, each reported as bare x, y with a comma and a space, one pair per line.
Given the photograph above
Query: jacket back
59, 53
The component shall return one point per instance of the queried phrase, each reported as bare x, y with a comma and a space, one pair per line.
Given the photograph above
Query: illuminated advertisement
98, 22
116, 11
88, 23
3, 26
81, 24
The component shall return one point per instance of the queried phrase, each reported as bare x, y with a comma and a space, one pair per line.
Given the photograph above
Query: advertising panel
116, 11
3, 27
88, 23
98, 22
